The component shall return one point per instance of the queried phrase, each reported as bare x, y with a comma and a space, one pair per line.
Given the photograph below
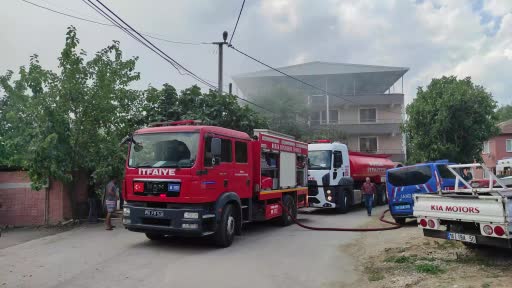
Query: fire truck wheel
289, 203
226, 228
155, 236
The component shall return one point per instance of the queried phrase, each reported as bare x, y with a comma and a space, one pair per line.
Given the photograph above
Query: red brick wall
22, 206
19, 204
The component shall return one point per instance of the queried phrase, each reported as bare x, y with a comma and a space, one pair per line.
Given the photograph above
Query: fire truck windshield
164, 150
320, 160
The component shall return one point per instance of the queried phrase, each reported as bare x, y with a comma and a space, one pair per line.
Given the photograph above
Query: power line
150, 35
236, 25
299, 80
156, 50
128, 29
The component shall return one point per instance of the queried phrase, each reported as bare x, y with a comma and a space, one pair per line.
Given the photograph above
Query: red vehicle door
242, 170
219, 172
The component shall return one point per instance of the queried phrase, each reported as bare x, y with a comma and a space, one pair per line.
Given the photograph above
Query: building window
509, 145
485, 149
368, 144
367, 115
333, 116
315, 118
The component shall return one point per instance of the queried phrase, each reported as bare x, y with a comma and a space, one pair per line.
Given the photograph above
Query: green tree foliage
210, 108
450, 120
65, 124
57, 125
504, 113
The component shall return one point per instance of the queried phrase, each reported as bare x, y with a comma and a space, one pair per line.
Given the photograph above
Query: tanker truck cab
328, 167
336, 175
185, 179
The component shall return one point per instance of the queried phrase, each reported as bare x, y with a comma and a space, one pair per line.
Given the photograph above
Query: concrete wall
22, 206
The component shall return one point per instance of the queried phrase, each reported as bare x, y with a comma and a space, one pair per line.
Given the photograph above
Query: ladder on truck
500, 189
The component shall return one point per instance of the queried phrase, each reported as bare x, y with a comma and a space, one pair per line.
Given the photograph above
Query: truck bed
467, 208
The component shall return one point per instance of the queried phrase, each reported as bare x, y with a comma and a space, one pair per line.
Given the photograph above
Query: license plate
154, 213
462, 237
173, 187
402, 207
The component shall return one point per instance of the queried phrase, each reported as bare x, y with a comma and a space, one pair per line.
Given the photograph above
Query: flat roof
339, 78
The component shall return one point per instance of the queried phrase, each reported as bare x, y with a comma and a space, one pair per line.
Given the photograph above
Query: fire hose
381, 218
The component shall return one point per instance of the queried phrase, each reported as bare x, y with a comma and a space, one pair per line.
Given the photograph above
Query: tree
450, 120
504, 113
66, 124
210, 108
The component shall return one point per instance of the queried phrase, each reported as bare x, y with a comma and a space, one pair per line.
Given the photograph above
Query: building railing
356, 122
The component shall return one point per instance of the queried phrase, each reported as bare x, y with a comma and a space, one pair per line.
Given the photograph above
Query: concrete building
499, 147
365, 102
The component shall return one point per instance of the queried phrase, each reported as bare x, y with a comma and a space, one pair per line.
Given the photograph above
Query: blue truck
403, 182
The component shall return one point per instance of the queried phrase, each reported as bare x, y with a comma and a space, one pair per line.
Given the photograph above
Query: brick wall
19, 204
22, 206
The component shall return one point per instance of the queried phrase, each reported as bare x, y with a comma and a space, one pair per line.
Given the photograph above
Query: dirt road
265, 256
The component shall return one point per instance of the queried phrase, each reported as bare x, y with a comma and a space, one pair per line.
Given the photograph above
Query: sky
431, 37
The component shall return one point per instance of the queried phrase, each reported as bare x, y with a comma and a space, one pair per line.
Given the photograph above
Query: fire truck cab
186, 179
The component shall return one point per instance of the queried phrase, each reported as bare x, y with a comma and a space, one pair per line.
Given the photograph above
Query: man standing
368, 190
110, 202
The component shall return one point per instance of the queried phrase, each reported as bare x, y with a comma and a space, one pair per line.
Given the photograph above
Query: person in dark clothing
466, 175
92, 200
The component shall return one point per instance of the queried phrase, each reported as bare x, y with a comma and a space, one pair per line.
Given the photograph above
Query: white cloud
432, 37
498, 7
281, 13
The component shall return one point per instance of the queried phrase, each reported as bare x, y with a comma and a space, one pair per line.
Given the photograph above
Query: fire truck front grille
156, 189
158, 222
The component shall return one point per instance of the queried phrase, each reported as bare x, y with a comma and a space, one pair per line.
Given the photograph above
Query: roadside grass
375, 273
434, 259
429, 268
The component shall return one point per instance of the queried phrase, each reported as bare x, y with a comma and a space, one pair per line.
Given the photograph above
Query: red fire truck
186, 179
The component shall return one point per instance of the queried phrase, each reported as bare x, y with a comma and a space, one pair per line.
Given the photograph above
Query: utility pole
224, 37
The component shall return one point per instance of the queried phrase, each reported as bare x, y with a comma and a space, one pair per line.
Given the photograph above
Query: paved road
265, 256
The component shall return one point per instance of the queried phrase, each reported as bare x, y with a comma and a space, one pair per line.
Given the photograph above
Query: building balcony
391, 100
382, 127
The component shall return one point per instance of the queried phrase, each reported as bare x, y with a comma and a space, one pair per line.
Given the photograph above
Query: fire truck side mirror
216, 147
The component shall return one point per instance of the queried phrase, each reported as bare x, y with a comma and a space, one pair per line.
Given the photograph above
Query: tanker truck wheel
290, 205
381, 195
226, 229
342, 201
